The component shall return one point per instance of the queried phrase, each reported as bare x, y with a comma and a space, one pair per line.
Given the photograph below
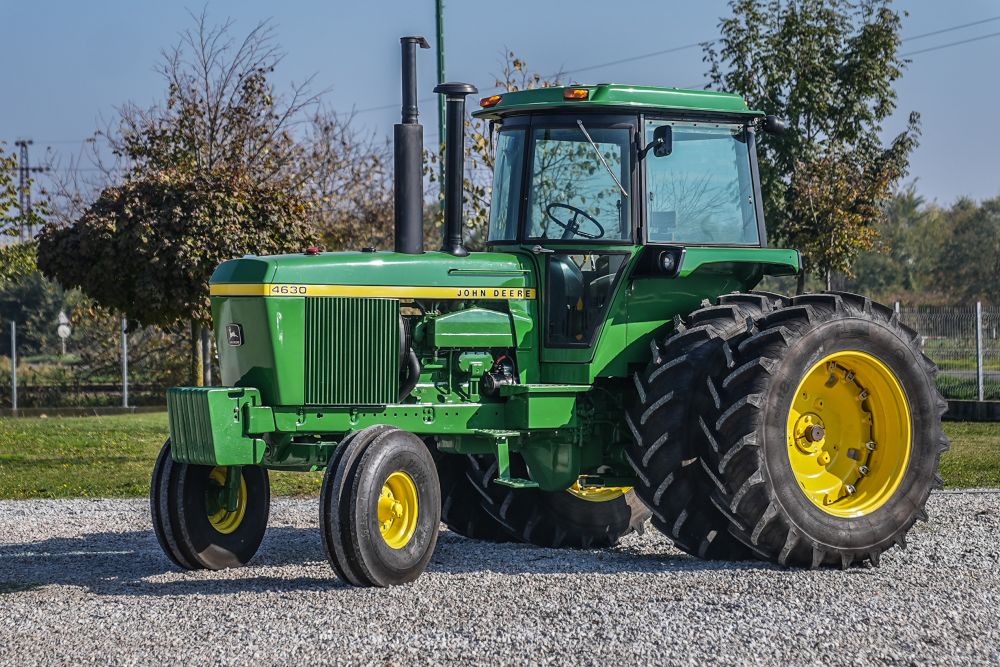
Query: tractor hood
431, 275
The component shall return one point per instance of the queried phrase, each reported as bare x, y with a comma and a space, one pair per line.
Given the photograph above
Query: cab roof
604, 95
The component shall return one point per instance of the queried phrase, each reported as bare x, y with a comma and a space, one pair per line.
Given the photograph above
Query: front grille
352, 351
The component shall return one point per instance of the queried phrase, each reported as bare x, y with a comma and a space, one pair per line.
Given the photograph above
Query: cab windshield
579, 187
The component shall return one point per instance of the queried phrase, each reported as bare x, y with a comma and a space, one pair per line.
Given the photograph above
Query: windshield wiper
603, 161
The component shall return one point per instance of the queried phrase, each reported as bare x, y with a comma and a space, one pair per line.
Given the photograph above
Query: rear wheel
461, 503
193, 522
824, 431
665, 452
380, 507
575, 518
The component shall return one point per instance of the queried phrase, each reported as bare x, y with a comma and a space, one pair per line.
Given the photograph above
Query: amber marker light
490, 101
576, 94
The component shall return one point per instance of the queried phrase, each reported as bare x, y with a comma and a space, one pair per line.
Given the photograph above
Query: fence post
979, 351
13, 365
124, 362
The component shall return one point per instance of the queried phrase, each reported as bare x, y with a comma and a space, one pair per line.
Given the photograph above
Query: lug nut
850, 489
863, 470
870, 445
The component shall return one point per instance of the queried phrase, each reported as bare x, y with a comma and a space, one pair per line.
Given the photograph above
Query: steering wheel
573, 226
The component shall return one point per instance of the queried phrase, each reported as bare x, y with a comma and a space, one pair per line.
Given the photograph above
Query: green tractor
604, 362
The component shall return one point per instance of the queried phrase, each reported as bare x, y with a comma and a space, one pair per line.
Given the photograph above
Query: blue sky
70, 63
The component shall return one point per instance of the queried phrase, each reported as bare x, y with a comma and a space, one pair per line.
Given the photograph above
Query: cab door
579, 223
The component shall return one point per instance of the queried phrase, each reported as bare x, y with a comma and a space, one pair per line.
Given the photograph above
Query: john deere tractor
603, 362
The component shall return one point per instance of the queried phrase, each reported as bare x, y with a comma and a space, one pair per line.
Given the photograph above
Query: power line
949, 45
653, 54
675, 49
954, 27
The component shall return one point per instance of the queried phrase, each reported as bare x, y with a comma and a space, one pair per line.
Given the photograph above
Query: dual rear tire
808, 432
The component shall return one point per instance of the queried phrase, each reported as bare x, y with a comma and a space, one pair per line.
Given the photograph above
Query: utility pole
439, 15
24, 171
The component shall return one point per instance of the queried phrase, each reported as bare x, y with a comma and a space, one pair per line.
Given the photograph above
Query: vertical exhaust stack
454, 164
408, 156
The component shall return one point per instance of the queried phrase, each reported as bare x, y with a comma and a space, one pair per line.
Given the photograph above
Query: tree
34, 303
828, 67
213, 173
969, 261
904, 263
350, 185
478, 179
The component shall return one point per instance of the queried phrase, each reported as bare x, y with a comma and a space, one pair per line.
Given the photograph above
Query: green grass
103, 457
72, 457
974, 457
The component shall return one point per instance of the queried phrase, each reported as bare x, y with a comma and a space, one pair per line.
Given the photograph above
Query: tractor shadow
131, 563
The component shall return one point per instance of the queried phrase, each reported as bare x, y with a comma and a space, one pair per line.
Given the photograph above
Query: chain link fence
88, 371
96, 365
968, 362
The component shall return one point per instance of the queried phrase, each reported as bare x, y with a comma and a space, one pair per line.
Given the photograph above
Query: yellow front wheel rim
848, 434
598, 494
398, 510
222, 519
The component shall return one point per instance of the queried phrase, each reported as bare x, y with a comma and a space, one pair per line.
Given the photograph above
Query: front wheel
823, 431
195, 526
380, 507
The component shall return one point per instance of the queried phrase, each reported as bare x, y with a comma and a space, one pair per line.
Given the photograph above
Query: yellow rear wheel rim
398, 510
598, 494
223, 520
849, 434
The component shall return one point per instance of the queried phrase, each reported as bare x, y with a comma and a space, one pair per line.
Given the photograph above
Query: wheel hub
397, 509
844, 405
598, 493
219, 516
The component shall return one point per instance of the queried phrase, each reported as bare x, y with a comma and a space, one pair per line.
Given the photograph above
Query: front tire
380, 507
192, 525
824, 432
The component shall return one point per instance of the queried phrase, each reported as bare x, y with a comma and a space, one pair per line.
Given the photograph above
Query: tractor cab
607, 184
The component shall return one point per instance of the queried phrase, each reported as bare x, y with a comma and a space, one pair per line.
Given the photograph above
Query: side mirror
662, 144
774, 125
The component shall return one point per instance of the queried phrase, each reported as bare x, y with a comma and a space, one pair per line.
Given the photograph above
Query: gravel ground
84, 582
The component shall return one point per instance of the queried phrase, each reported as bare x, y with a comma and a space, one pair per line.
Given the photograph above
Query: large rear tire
461, 503
665, 451
576, 519
824, 431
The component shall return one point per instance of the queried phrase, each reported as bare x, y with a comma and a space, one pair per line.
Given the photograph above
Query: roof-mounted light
576, 94
491, 101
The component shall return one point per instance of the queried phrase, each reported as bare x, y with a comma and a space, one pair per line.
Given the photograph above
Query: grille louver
352, 351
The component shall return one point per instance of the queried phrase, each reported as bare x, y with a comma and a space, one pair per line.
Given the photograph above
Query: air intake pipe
454, 164
408, 156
